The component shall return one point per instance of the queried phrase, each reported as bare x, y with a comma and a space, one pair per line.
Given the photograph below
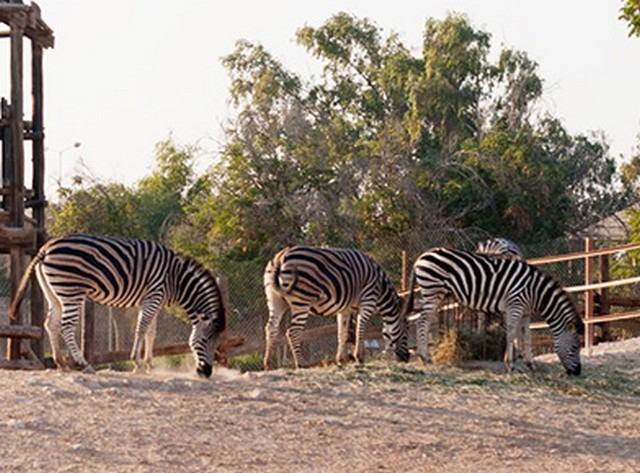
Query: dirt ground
383, 417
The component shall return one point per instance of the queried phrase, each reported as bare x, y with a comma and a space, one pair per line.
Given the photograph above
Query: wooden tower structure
22, 209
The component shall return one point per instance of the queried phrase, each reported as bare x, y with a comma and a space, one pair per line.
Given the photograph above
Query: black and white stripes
125, 273
500, 285
330, 282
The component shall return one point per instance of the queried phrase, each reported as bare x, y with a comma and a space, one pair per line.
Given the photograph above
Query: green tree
142, 211
630, 12
385, 144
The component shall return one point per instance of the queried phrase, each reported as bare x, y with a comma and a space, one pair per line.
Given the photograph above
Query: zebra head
394, 331
205, 337
198, 293
567, 345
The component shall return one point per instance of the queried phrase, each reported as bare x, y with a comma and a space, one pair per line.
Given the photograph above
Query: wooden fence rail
588, 255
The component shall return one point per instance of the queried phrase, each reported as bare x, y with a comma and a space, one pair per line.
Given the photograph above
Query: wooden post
403, 284
604, 296
5, 133
588, 296
16, 162
39, 203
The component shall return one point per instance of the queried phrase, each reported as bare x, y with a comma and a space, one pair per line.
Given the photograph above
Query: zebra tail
409, 298
22, 287
275, 280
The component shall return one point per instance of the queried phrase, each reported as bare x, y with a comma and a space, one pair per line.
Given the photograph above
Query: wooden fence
589, 287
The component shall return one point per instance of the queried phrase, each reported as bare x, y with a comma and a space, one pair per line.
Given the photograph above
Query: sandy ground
375, 418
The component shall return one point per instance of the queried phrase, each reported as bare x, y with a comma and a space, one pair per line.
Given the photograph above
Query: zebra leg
277, 307
423, 323
366, 309
343, 321
149, 340
146, 317
53, 321
70, 317
422, 336
526, 343
52, 324
298, 321
512, 323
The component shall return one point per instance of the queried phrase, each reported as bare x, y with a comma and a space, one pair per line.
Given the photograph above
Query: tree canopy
383, 144
630, 12
146, 210
386, 143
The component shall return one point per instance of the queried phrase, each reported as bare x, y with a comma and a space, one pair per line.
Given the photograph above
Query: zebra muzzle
204, 370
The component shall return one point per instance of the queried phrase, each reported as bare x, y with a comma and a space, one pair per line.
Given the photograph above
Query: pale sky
126, 74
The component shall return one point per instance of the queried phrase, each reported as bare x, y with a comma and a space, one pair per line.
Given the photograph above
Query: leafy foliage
144, 211
384, 145
630, 12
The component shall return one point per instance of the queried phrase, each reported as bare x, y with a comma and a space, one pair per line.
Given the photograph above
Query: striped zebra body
489, 284
330, 282
122, 272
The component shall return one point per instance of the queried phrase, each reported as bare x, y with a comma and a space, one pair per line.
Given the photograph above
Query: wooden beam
18, 236
21, 331
20, 365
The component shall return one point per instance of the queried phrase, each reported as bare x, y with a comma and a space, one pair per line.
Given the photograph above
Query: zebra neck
191, 287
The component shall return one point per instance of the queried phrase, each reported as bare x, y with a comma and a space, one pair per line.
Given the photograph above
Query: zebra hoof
88, 370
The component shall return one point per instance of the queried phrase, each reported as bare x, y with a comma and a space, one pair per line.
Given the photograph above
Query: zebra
123, 272
490, 284
331, 282
500, 247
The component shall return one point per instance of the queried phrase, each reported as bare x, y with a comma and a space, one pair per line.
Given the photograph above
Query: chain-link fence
243, 288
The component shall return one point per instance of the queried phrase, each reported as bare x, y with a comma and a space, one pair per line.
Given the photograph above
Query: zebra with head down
330, 282
488, 284
123, 272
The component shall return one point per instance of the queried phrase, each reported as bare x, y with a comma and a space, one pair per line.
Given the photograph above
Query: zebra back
500, 247
333, 278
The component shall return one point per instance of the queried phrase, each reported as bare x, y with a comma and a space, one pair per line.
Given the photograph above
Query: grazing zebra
500, 247
330, 282
490, 284
124, 273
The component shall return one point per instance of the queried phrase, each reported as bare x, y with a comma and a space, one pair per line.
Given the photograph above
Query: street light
77, 144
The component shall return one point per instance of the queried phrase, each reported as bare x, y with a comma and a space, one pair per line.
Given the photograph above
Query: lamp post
77, 144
